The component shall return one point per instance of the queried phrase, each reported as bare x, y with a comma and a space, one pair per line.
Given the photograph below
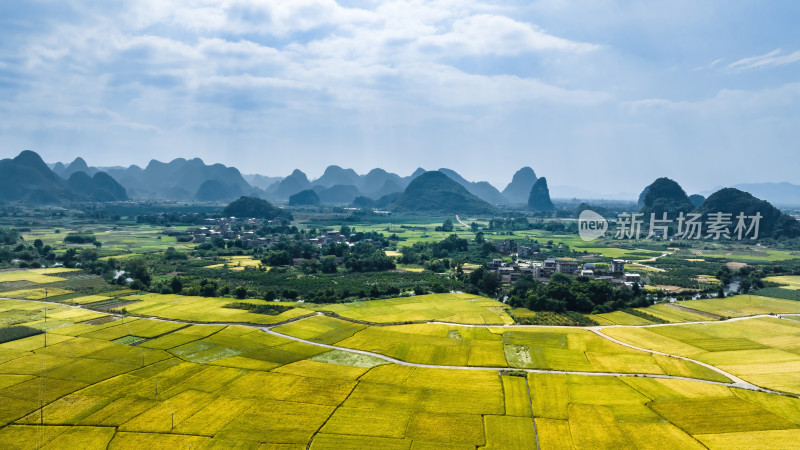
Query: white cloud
727, 102
484, 34
772, 59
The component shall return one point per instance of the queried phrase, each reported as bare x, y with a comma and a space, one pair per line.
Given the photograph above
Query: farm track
736, 381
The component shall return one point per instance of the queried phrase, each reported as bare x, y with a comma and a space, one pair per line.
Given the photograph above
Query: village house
506, 246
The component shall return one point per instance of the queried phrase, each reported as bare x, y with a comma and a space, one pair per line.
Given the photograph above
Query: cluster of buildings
543, 270
509, 246
335, 237
232, 228
330, 237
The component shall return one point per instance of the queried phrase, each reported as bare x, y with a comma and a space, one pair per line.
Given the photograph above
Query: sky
603, 95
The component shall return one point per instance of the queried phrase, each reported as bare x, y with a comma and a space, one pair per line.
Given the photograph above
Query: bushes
9, 236
8, 334
269, 310
568, 318
76, 238
643, 315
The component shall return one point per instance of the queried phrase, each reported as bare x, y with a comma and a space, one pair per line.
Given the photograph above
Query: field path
736, 381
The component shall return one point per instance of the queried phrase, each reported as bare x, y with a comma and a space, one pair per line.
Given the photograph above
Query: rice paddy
743, 305
201, 309
128, 382
791, 282
237, 263
763, 351
673, 314
37, 276
456, 308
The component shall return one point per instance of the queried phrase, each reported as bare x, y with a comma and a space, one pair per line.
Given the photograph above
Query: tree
177, 285
138, 269
240, 292
328, 264
278, 258
446, 226
69, 257
309, 266
208, 288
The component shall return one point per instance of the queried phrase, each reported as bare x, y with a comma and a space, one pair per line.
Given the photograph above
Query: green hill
217, 191
254, 207
100, 188
665, 195
518, 191
539, 198
774, 224
435, 192
307, 197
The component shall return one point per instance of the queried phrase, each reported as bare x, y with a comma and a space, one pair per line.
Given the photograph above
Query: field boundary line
533, 419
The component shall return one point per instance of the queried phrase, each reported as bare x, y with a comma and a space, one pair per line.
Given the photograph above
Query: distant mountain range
379, 183
28, 179
193, 180
179, 179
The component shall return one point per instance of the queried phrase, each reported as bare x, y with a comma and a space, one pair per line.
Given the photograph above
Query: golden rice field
619, 318
763, 351
35, 294
237, 263
181, 385
38, 276
790, 282
456, 308
549, 348
673, 314
201, 309
743, 305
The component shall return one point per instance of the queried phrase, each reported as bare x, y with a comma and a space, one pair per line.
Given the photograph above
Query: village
528, 260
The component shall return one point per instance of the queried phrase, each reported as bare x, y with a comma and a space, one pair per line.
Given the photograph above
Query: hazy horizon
604, 96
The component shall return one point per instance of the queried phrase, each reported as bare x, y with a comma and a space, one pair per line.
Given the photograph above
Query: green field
749, 254
131, 238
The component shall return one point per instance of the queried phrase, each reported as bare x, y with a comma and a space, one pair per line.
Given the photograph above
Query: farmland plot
763, 351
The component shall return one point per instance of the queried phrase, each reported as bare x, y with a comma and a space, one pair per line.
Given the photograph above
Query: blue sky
602, 95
